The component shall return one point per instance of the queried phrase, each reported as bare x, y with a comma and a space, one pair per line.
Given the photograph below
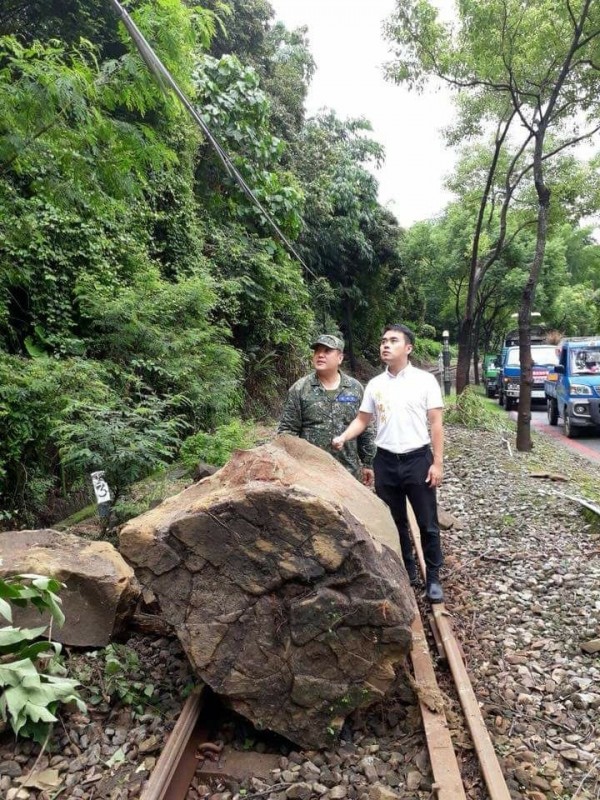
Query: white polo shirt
400, 404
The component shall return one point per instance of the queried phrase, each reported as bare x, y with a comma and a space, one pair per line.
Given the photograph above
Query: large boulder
282, 578
101, 588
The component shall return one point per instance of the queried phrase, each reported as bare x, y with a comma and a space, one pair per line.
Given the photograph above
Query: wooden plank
446, 774
488, 760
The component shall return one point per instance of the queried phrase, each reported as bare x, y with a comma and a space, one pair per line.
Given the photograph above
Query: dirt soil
522, 582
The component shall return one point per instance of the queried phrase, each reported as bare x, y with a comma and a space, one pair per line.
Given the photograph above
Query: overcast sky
348, 47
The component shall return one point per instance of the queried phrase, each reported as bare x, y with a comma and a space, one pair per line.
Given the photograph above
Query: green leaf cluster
216, 448
114, 675
29, 697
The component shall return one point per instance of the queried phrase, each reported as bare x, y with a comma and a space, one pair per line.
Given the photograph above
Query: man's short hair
408, 334
326, 339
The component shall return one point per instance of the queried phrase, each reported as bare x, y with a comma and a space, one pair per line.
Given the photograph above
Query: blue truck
509, 388
573, 386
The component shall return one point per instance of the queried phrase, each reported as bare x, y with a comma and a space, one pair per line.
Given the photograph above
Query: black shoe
413, 573
435, 593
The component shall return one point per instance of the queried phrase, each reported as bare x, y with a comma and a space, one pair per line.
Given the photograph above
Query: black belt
405, 456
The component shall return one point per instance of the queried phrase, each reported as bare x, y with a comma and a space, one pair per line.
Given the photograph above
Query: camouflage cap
334, 342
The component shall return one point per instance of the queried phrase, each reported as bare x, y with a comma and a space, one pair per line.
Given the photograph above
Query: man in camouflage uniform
322, 404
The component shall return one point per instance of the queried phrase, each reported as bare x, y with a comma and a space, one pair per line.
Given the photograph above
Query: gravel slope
522, 578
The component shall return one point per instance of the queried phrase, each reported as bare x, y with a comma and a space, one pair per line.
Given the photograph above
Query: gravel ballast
522, 583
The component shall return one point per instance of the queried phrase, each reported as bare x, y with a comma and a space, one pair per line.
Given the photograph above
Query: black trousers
398, 477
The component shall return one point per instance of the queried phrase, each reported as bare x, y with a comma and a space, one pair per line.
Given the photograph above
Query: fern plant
216, 448
32, 679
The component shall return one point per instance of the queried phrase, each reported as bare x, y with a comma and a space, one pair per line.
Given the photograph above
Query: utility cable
166, 80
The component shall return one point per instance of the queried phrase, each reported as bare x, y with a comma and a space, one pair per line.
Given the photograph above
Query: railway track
188, 751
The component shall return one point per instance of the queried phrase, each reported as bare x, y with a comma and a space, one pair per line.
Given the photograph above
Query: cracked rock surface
276, 576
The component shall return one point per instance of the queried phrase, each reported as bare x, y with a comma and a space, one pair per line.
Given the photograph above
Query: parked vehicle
572, 387
543, 356
490, 369
537, 335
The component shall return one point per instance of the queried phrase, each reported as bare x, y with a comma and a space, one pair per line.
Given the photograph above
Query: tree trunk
281, 575
476, 335
349, 351
463, 365
478, 264
524, 443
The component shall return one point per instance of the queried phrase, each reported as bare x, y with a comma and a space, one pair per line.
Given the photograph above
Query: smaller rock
413, 780
570, 755
593, 646
10, 768
540, 783
149, 745
94, 570
78, 764
380, 792
299, 791
586, 700
309, 770
17, 794
203, 470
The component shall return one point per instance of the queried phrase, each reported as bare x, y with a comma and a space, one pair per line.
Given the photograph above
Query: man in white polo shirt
407, 405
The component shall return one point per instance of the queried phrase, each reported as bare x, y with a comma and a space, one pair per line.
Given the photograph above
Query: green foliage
107, 305
162, 331
29, 696
575, 310
266, 303
537, 91
127, 440
349, 239
216, 448
237, 112
114, 675
142, 295
33, 394
426, 350
435, 254
121, 666
472, 410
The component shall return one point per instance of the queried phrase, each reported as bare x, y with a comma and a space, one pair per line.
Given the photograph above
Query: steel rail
488, 760
178, 762
176, 765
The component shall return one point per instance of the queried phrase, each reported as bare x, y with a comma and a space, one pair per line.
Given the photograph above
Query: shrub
426, 351
126, 441
216, 448
427, 331
471, 410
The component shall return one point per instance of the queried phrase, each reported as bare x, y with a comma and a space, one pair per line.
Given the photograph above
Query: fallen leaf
45, 779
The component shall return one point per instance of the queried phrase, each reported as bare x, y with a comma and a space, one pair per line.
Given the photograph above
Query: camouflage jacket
312, 415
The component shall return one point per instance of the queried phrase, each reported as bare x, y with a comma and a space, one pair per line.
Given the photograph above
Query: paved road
587, 445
